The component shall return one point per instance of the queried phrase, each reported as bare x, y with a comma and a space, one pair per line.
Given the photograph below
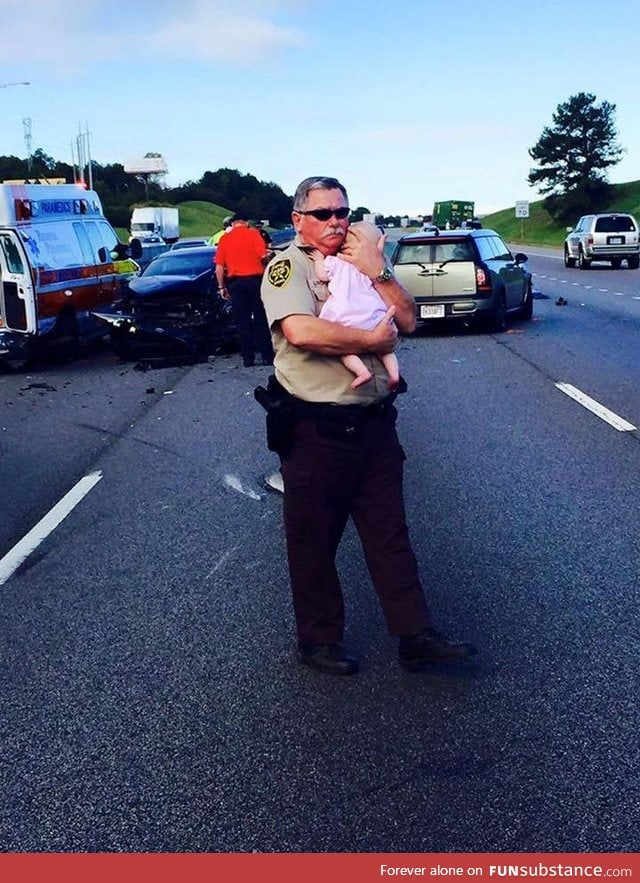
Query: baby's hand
384, 336
365, 255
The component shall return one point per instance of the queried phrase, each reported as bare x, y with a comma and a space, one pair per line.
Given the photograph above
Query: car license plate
432, 311
615, 240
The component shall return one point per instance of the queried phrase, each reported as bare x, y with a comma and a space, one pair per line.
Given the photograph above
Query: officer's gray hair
317, 182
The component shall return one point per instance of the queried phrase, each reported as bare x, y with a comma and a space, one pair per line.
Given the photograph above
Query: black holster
281, 416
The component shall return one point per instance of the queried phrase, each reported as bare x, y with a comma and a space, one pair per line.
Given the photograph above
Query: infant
353, 301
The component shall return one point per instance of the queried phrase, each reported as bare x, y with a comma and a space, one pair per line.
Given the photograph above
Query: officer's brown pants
325, 481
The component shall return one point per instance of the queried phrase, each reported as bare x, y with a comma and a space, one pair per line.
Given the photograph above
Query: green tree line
572, 159
120, 191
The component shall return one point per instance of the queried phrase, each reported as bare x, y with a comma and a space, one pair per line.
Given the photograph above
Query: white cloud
67, 32
223, 31
72, 35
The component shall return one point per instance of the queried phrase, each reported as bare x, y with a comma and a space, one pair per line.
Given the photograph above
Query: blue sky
405, 103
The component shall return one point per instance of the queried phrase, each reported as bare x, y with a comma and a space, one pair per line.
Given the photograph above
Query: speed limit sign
522, 209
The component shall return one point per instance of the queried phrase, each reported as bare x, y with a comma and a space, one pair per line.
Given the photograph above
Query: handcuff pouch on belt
339, 422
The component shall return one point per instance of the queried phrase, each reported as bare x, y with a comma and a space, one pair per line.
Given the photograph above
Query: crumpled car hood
152, 286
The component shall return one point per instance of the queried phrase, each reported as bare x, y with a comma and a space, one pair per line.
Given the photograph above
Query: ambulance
59, 260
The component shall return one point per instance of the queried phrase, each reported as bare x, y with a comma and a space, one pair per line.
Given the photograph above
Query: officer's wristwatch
385, 275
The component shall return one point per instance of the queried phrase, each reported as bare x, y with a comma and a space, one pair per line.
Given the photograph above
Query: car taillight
589, 240
483, 280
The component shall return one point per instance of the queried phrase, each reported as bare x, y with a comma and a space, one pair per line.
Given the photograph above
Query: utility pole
86, 135
83, 152
81, 159
26, 122
76, 170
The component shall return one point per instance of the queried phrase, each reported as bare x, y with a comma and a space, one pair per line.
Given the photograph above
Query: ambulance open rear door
17, 304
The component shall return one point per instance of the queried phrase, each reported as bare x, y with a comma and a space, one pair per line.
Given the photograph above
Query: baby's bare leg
357, 367
390, 362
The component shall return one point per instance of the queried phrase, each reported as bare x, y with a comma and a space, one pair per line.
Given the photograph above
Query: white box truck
155, 224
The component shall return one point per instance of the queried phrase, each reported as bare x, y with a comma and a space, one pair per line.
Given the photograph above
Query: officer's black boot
430, 645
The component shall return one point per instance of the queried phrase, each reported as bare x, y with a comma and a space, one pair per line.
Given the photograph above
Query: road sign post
522, 212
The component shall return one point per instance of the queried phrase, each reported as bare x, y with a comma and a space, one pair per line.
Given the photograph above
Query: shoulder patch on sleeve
280, 273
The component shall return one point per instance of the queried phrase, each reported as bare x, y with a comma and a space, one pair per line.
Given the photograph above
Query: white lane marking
635, 297
21, 551
603, 290
595, 407
619, 293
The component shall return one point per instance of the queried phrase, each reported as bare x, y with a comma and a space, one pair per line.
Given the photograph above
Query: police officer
342, 456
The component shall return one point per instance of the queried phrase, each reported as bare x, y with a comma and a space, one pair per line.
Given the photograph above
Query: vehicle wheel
120, 344
123, 344
16, 364
499, 318
526, 311
583, 262
64, 344
634, 262
568, 261
615, 263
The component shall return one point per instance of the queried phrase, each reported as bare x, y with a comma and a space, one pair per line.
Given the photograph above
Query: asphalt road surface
151, 700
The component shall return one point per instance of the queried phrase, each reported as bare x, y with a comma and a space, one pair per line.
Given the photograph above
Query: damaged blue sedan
172, 310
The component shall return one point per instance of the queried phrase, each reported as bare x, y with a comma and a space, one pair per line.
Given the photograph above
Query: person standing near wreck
340, 454
240, 260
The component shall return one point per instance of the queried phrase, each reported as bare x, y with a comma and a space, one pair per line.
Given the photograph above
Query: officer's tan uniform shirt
290, 287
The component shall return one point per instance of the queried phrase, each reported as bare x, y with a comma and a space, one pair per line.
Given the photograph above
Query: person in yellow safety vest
226, 225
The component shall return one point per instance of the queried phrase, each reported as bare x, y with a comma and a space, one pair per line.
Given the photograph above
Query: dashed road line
596, 408
586, 287
30, 542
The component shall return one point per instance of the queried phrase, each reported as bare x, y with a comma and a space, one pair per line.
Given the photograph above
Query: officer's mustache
333, 231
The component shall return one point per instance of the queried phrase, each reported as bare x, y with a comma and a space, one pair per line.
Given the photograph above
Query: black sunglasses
324, 214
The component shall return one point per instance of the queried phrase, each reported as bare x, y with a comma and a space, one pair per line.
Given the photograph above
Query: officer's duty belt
341, 413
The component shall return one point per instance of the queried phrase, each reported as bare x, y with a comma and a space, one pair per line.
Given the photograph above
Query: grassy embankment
205, 218
540, 229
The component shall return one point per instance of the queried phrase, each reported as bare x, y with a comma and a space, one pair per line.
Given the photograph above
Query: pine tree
574, 154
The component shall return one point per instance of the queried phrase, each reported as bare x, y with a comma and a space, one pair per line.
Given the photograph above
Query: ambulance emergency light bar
26, 209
